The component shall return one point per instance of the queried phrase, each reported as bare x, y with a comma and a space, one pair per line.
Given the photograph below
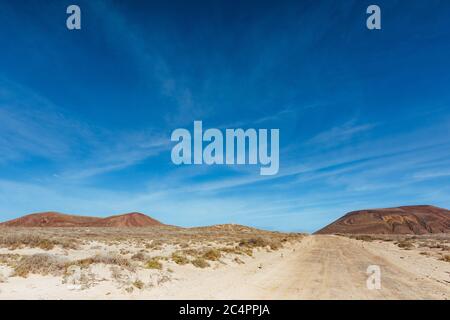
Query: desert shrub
154, 264
191, 252
248, 252
43, 264
104, 259
124, 251
230, 250
446, 258
238, 261
139, 257
275, 245
116, 273
179, 259
138, 284
46, 244
212, 255
14, 241
237, 250
9, 259
68, 244
200, 263
253, 242
405, 245
155, 244
362, 237
432, 245
129, 289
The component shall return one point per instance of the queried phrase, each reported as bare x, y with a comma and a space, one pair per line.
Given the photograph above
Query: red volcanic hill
134, 219
56, 219
402, 220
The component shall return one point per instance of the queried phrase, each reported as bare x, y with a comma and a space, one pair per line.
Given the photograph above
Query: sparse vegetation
238, 261
446, 258
200, 263
86, 256
104, 259
362, 237
212, 255
139, 257
179, 258
404, 244
9, 259
232, 250
138, 284
253, 242
20, 240
43, 264
154, 264
276, 244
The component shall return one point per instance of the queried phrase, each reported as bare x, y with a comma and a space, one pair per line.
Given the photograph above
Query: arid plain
229, 261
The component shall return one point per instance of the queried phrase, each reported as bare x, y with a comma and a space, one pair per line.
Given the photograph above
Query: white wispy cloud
340, 134
32, 126
151, 64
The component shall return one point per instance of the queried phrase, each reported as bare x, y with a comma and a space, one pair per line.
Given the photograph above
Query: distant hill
134, 219
56, 219
402, 220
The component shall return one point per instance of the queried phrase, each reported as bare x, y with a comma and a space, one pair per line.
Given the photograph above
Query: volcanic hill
56, 219
421, 219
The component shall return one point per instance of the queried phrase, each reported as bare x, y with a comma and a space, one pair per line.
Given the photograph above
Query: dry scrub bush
212, 255
155, 245
232, 250
103, 259
154, 264
446, 258
200, 263
179, 259
9, 259
33, 241
15, 241
41, 263
139, 257
405, 245
253, 242
238, 261
138, 284
275, 245
362, 237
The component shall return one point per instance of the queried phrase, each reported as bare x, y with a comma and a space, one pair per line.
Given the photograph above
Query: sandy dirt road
330, 267
322, 267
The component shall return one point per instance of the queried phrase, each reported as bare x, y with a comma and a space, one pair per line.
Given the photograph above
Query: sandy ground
317, 267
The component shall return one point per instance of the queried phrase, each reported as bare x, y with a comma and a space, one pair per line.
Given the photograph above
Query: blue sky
86, 116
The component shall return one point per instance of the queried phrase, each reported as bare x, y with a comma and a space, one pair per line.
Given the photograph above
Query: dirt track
329, 267
324, 267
